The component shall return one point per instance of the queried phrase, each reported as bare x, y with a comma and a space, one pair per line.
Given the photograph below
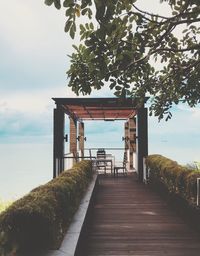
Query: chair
122, 167
101, 154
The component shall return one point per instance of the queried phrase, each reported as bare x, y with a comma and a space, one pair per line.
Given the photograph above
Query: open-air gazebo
79, 110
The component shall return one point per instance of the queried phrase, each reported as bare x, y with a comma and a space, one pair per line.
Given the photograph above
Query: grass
4, 204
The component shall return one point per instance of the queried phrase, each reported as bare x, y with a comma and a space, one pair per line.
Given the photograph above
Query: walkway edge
70, 241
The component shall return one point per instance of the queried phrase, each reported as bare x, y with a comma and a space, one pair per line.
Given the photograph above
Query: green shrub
175, 178
40, 219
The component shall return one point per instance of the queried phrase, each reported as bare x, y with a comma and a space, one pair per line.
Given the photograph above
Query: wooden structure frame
107, 109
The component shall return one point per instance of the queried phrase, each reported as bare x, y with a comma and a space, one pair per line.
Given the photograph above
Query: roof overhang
107, 109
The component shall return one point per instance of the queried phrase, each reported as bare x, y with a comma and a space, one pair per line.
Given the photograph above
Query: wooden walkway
130, 219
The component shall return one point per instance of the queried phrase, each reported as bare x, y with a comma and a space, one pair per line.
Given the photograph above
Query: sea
24, 167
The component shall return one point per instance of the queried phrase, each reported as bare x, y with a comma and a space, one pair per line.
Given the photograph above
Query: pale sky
33, 50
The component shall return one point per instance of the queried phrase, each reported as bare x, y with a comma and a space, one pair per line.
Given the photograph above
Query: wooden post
73, 138
126, 144
132, 143
142, 128
58, 142
81, 138
126, 134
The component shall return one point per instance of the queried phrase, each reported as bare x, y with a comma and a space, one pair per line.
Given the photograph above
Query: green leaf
75, 47
101, 33
69, 12
82, 37
68, 25
83, 12
49, 2
72, 31
113, 84
174, 13
118, 88
82, 28
57, 4
68, 3
100, 11
84, 4
117, 93
87, 42
90, 13
119, 81
91, 26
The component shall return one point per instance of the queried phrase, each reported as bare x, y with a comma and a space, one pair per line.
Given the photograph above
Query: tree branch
168, 19
195, 47
143, 16
150, 14
185, 21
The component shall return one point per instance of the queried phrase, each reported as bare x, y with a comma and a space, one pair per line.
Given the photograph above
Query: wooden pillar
81, 138
126, 134
73, 138
58, 142
142, 128
126, 144
132, 142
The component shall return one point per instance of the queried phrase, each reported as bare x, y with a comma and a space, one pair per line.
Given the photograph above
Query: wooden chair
101, 154
122, 167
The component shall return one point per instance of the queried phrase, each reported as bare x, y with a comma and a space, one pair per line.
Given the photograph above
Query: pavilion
79, 110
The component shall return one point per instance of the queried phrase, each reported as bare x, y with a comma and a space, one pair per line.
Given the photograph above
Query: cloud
179, 138
185, 120
31, 26
37, 101
29, 114
22, 127
33, 46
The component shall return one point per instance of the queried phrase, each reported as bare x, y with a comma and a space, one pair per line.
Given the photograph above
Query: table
105, 161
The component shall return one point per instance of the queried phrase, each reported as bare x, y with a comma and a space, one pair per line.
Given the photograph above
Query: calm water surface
23, 167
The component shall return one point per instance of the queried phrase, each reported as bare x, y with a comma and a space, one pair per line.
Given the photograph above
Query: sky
33, 50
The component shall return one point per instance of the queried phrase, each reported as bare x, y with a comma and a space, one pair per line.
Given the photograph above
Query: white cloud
179, 138
27, 25
37, 101
184, 120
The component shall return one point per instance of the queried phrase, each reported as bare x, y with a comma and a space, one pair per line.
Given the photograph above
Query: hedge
40, 219
174, 178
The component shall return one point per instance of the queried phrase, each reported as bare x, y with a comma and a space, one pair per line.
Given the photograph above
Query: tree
122, 44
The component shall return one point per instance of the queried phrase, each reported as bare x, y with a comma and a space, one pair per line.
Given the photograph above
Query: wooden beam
106, 102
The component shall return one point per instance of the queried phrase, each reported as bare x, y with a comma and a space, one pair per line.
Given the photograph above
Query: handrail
104, 148
79, 157
70, 158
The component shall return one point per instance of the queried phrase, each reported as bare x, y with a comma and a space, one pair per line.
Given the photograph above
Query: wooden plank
130, 219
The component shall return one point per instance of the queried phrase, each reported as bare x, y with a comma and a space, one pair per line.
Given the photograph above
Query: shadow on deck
129, 219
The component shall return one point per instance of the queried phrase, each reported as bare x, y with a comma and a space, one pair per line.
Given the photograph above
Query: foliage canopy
122, 45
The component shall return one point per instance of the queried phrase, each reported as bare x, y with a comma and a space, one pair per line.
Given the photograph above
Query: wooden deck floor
130, 219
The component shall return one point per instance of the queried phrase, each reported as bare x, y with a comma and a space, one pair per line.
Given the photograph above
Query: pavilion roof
108, 109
